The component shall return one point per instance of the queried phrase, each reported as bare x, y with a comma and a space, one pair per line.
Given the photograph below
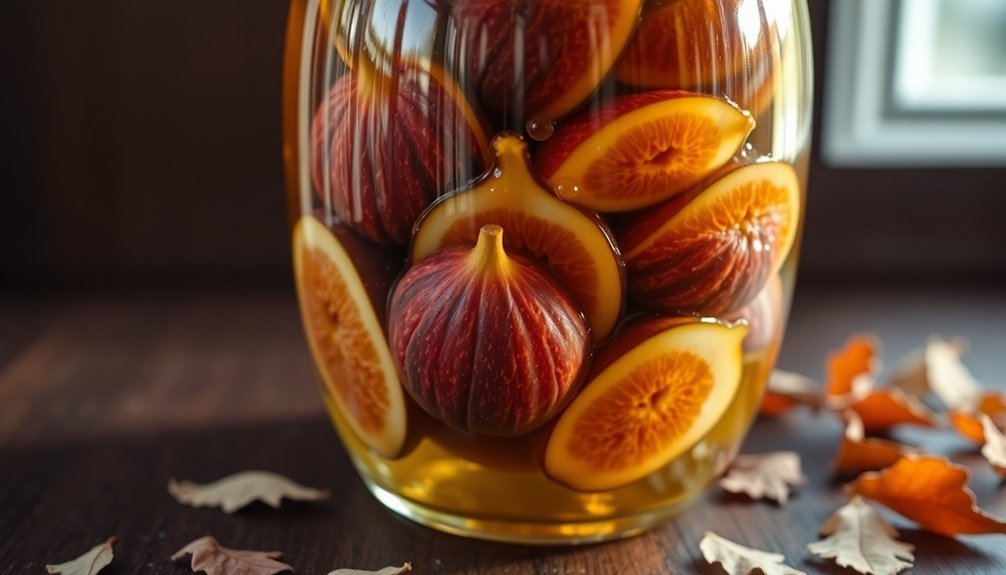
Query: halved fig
534, 62
346, 339
638, 150
383, 147
574, 244
656, 390
720, 47
712, 249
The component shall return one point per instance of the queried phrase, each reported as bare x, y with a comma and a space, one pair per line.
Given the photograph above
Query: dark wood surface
103, 399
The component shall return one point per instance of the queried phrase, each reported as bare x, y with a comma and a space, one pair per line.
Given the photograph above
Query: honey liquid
495, 488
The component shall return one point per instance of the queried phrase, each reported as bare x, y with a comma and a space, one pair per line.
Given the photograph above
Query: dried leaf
87, 564
993, 404
740, 560
859, 538
938, 368
786, 390
209, 556
386, 571
765, 475
930, 491
967, 424
856, 452
856, 362
236, 491
882, 409
994, 449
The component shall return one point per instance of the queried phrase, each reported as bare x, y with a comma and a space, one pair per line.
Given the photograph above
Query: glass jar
544, 250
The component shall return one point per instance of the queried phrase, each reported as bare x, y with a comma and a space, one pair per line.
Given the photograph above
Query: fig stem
489, 255
511, 153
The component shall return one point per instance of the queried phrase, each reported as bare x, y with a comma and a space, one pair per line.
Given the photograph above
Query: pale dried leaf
740, 560
786, 390
858, 537
209, 556
994, 449
385, 571
765, 475
236, 491
938, 368
89, 563
909, 374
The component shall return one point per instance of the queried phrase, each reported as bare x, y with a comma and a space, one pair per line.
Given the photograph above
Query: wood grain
103, 400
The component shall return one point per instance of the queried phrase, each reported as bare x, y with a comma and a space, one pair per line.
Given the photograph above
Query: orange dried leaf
90, 563
405, 568
993, 404
209, 556
857, 359
882, 409
859, 538
856, 452
994, 449
930, 491
737, 559
786, 390
967, 424
765, 475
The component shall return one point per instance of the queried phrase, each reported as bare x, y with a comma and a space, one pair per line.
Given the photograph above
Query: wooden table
103, 399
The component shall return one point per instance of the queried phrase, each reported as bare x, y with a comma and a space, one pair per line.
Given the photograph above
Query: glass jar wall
544, 250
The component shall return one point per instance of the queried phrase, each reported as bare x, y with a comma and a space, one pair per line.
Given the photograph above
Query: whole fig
485, 341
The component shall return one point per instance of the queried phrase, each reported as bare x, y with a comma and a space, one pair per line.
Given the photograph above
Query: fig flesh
654, 391
575, 244
346, 339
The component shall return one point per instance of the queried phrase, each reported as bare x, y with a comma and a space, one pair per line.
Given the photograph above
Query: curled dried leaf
96, 559
938, 368
859, 538
882, 409
930, 491
857, 452
737, 559
765, 475
405, 568
994, 449
236, 491
968, 424
850, 367
209, 556
993, 404
786, 390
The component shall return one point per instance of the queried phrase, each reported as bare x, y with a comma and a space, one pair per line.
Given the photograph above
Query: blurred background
142, 144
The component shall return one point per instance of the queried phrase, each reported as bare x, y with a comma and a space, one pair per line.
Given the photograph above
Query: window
916, 82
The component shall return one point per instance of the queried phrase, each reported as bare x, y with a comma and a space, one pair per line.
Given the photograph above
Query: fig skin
485, 341
384, 147
704, 252
560, 66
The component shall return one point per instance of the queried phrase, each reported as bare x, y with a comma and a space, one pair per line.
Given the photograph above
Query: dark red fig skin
383, 148
489, 353
552, 36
